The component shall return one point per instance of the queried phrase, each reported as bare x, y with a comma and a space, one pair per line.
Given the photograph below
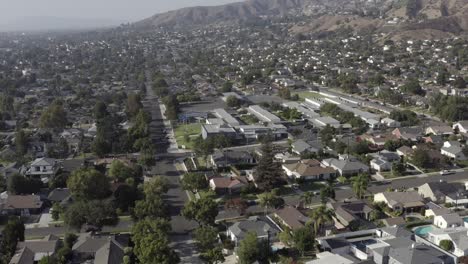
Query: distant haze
63, 14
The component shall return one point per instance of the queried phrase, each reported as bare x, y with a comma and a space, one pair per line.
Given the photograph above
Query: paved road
176, 196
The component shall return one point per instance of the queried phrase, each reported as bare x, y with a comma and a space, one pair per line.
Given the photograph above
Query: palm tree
267, 199
360, 184
319, 216
307, 197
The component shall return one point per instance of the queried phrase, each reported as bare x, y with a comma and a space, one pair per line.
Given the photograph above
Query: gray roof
259, 225
406, 251
59, 194
110, 253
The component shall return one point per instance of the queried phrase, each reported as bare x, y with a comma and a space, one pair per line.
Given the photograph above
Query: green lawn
308, 94
192, 130
310, 186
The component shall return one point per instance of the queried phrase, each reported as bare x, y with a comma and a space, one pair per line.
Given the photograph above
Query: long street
165, 166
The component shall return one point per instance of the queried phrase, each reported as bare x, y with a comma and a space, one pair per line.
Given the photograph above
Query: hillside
396, 18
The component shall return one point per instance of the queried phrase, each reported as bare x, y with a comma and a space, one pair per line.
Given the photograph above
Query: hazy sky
125, 10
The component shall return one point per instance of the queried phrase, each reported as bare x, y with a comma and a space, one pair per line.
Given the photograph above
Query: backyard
308, 94
185, 133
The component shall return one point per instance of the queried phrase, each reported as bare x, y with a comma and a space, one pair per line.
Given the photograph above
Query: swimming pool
423, 230
465, 219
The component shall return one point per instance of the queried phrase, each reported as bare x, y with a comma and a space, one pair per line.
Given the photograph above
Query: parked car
446, 172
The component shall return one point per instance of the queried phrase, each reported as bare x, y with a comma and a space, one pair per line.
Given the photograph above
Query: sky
116, 10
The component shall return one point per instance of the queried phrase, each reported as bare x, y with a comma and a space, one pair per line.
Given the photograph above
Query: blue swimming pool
465, 219
423, 230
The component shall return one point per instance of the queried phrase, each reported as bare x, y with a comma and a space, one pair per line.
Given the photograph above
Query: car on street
446, 172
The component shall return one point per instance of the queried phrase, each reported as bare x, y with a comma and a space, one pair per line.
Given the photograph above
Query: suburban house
458, 236
402, 201
227, 185
405, 151
327, 258
346, 165
42, 168
263, 115
453, 150
433, 210
388, 122
389, 245
439, 130
32, 251
383, 160
350, 211
23, 205
101, 249
443, 192
208, 130
448, 220
409, 133
300, 147
226, 158
262, 226
461, 127
309, 169
291, 217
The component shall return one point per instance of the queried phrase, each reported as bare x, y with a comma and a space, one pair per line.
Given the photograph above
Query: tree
88, 184
125, 197
233, 101
213, 255
327, 192
206, 238
308, 197
446, 245
284, 93
120, 171
248, 251
172, 107
412, 86
56, 211
303, 239
54, 116
360, 184
153, 205
327, 134
392, 145
11, 235
100, 110
320, 216
133, 105
21, 143
96, 213
268, 199
203, 210
421, 158
268, 172
227, 87
151, 240
459, 83
194, 181
398, 168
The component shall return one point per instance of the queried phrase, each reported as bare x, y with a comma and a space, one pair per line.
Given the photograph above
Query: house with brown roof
23, 205
349, 211
31, 252
408, 133
227, 185
402, 201
309, 169
291, 217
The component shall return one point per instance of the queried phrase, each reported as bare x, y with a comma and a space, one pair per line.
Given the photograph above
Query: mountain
40, 23
396, 18
231, 12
